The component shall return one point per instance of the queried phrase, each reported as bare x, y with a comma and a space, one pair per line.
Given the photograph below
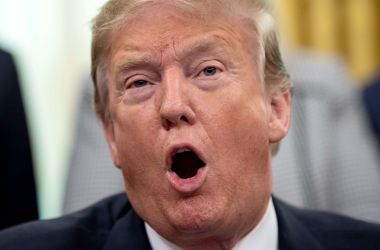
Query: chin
195, 215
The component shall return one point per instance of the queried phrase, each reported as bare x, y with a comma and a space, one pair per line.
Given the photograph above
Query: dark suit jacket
112, 224
371, 96
17, 191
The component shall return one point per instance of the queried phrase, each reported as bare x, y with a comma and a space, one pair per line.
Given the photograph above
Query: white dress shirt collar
263, 237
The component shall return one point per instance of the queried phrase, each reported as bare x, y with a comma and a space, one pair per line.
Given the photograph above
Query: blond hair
115, 13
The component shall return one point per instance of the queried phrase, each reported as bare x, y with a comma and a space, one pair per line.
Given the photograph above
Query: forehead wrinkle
185, 51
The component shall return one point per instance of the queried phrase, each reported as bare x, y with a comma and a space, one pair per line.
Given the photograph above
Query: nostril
184, 118
167, 124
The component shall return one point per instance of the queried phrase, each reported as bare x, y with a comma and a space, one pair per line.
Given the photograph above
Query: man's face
191, 124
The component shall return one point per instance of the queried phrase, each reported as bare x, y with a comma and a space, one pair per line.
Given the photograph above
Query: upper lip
173, 149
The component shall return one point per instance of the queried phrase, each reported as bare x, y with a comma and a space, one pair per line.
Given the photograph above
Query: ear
279, 102
109, 132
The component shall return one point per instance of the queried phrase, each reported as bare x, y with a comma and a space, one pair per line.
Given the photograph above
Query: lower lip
188, 185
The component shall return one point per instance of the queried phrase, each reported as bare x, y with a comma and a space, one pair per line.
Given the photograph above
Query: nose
174, 108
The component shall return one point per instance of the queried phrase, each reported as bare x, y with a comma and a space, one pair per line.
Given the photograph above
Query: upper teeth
183, 150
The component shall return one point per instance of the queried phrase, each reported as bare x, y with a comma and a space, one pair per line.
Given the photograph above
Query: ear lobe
280, 110
108, 129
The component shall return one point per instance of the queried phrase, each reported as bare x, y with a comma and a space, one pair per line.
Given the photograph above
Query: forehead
165, 12
162, 25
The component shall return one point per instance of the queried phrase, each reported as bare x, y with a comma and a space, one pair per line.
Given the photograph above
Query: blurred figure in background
91, 175
329, 160
17, 187
372, 103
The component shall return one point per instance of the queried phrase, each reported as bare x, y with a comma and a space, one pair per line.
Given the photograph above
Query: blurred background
349, 29
50, 42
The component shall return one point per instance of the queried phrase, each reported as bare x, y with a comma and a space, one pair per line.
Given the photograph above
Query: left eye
139, 84
209, 71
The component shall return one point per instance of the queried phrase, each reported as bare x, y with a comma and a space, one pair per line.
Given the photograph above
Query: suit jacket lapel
292, 231
128, 233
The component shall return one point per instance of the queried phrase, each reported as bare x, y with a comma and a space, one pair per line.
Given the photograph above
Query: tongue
186, 164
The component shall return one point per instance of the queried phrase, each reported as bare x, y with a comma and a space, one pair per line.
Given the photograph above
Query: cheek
134, 130
243, 158
136, 126
238, 130
238, 122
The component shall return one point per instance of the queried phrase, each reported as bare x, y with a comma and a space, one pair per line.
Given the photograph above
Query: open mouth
185, 163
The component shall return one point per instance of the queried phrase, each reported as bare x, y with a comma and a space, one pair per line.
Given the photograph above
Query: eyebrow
136, 59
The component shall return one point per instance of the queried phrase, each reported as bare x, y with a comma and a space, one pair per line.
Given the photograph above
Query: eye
138, 84
209, 71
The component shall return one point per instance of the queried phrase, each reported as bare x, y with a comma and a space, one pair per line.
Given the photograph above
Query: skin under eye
210, 75
137, 89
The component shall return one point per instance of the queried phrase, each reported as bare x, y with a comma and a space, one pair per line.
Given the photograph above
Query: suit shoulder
328, 230
85, 229
5, 55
